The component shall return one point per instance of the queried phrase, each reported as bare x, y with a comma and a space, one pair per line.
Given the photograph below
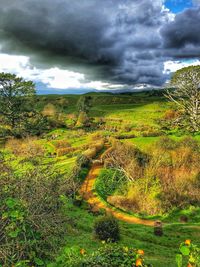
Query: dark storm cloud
117, 40
184, 30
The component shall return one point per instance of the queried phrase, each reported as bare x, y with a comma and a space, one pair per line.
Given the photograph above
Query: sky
79, 46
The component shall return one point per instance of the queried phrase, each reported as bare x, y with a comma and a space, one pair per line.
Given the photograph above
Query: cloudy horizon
87, 45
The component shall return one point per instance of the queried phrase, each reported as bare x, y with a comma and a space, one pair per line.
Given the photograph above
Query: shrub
83, 161
32, 220
170, 114
109, 181
190, 252
111, 255
65, 151
166, 178
90, 153
107, 229
131, 201
49, 110
126, 157
125, 136
127, 127
28, 147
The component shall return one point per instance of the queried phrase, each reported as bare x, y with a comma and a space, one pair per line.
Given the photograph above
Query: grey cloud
123, 41
184, 30
196, 2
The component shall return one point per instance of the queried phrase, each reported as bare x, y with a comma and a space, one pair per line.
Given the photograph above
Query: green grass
159, 251
137, 110
144, 143
137, 114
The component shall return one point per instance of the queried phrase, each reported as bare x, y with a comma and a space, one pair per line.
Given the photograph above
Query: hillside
118, 131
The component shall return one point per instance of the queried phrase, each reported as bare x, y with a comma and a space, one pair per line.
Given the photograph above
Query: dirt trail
87, 192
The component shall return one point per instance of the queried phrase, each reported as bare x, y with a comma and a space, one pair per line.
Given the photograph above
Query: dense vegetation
151, 170
167, 177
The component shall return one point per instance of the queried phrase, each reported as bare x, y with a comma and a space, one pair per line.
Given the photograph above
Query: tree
15, 97
83, 106
186, 94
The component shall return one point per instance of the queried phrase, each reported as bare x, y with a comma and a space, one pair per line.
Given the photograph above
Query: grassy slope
160, 251
139, 109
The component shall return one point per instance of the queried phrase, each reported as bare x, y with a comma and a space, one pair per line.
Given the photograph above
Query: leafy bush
32, 220
106, 228
109, 181
131, 201
109, 255
190, 252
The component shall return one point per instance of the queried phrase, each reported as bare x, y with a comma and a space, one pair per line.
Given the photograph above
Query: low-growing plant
109, 255
190, 252
106, 228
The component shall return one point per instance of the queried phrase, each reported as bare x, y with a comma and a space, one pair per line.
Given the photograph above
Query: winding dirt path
87, 192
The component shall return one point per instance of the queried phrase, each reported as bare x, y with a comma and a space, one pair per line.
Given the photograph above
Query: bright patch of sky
172, 66
179, 5
53, 77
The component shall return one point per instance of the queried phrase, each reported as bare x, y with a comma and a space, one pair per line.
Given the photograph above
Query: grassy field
159, 251
141, 113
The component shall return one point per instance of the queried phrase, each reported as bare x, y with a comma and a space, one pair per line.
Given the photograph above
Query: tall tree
83, 106
186, 94
15, 97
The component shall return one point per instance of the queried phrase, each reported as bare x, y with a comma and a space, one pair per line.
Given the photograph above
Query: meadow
135, 122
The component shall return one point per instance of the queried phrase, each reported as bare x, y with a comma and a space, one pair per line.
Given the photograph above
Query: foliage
109, 181
83, 161
15, 97
84, 104
49, 110
109, 255
32, 220
125, 157
187, 94
106, 228
189, 251
83, 119
35, 125
168, 179
28, 147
